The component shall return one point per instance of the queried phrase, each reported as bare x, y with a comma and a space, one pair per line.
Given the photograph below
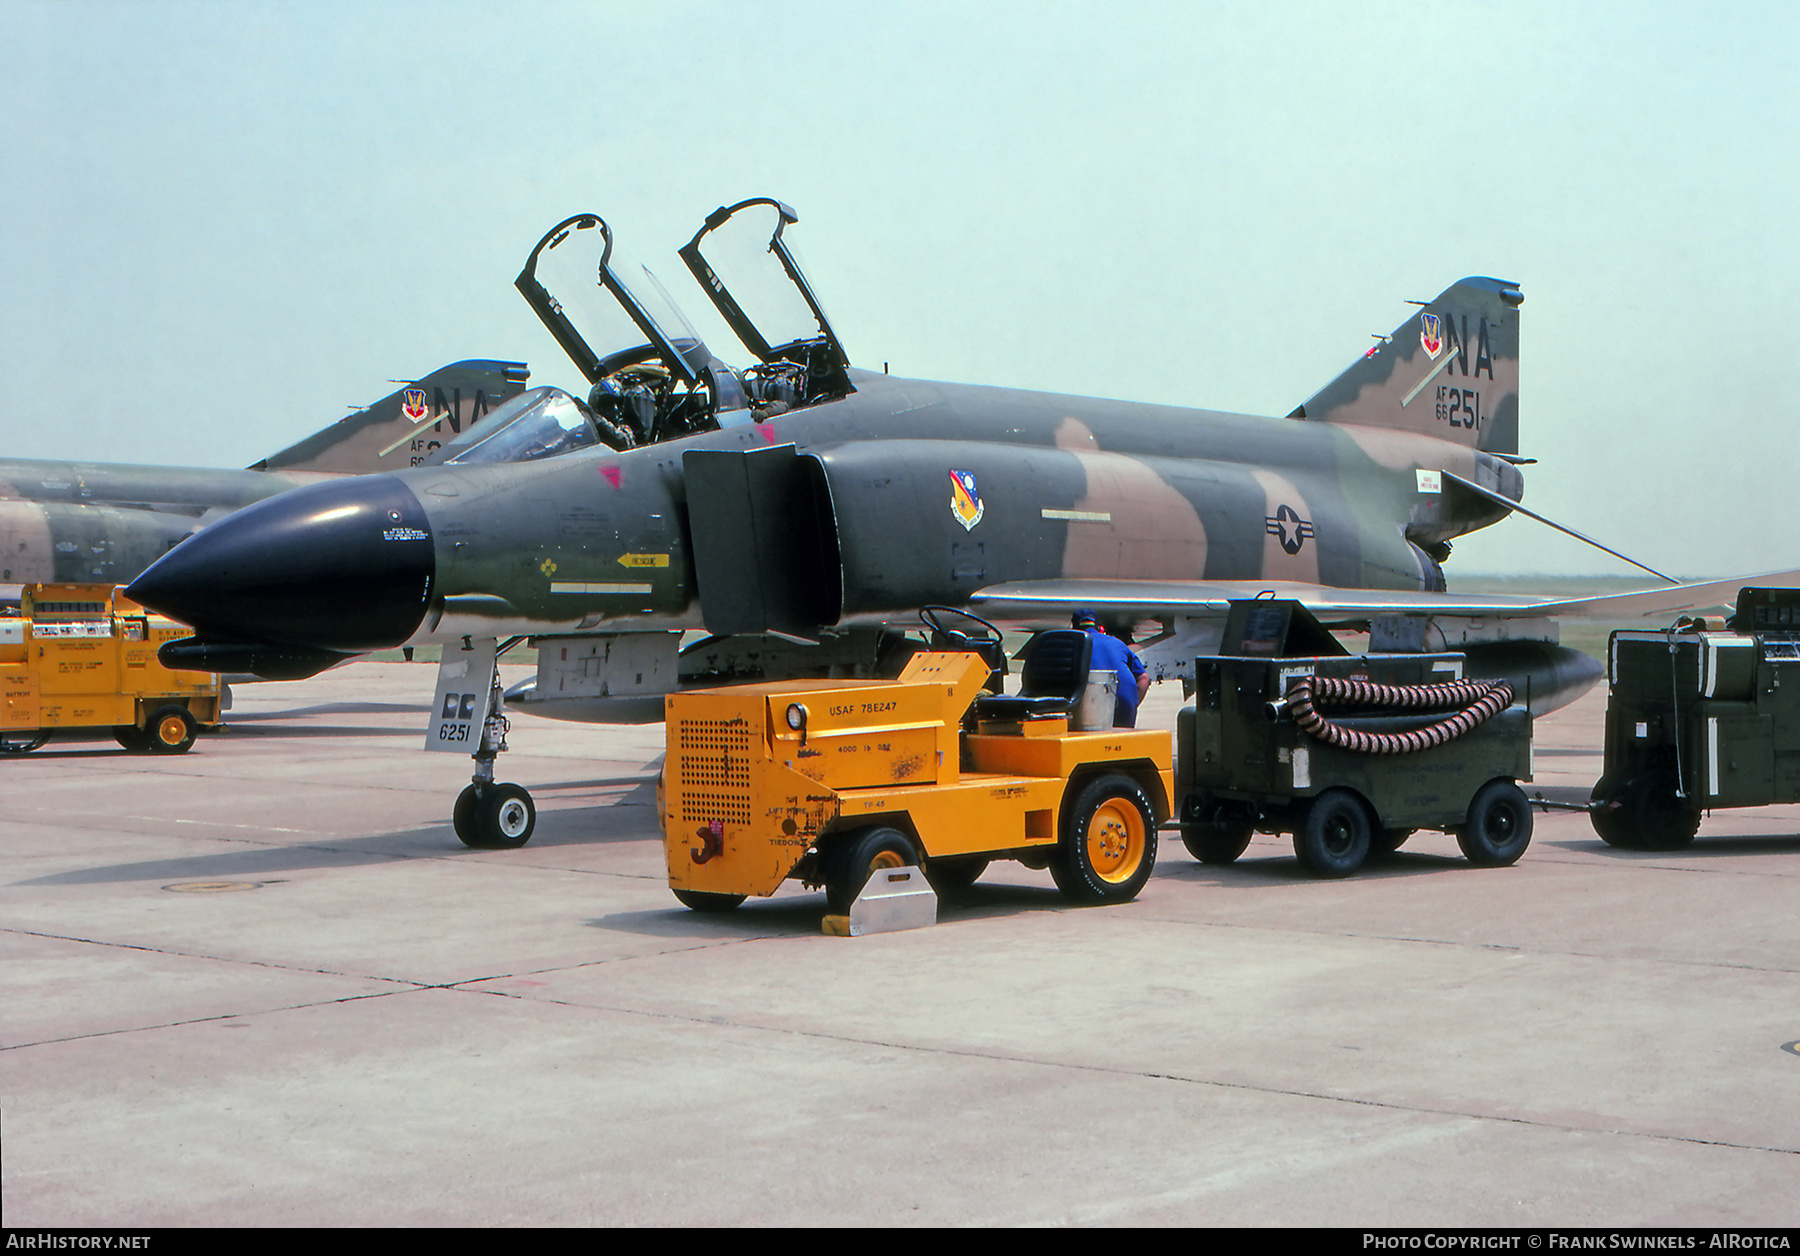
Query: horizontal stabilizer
1508, 503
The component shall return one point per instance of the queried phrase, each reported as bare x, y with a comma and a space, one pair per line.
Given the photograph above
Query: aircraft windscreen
742, 254
537, 424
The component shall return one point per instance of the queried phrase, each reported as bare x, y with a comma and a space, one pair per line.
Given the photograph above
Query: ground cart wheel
1213, 832
1108, 845
1387, 841
1213, 845
1608, 817
1499, 825
132, 737
1657, 819
706, 900
856, 857
1333, 838
170, 730
494, 817
23, 741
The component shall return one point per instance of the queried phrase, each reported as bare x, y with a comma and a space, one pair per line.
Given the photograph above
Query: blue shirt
1112, 654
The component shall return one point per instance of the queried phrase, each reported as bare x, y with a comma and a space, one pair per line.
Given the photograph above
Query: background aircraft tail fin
406, 425
1450, 371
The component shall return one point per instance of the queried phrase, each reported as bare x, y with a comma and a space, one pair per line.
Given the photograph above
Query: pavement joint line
203, 1020
222, 824
452, 854
1000, 1058
404, 985
220, 959
1655, 865
615, 959
1660, 961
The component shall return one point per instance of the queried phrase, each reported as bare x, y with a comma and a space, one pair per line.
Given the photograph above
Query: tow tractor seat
1054, 672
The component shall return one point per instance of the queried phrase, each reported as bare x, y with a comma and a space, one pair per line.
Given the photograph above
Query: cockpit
538, 423
651, 377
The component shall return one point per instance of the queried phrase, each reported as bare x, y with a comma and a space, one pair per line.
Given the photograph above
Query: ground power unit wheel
1215, 832
1656, 817
170, 730
1334, 835
1499, 825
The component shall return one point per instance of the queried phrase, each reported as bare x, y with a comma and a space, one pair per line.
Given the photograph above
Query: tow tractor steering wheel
930, 614
987, 643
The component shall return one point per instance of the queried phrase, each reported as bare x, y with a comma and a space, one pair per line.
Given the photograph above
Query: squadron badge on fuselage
1431, 335
965, 501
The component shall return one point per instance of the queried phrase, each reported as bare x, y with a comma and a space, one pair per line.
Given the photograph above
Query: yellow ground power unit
84, 656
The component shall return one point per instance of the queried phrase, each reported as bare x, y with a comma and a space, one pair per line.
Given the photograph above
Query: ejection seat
1051, 681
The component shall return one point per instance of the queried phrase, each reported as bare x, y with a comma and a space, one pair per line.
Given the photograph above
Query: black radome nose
345, 565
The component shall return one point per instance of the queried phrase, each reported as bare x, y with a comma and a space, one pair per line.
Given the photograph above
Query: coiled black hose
1477, 701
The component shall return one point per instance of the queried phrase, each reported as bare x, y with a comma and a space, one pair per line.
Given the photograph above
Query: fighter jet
802, 510
92, 522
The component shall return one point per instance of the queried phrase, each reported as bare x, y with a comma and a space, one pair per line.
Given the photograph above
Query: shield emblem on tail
965, 501
412, 404
1431, 334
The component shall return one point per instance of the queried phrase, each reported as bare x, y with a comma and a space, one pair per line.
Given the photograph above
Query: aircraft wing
1044, 599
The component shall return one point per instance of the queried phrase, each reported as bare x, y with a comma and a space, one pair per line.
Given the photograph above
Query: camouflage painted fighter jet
90, 522
802, 510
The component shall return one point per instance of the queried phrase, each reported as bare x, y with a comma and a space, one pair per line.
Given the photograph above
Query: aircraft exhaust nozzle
344, 566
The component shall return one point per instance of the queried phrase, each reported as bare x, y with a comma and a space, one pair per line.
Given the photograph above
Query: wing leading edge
1042, 599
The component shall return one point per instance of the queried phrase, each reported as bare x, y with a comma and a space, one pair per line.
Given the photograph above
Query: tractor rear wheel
859, 855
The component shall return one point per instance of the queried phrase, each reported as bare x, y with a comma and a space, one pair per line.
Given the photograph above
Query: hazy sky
223, 225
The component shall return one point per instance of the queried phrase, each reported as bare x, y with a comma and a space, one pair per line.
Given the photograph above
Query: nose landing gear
488, 815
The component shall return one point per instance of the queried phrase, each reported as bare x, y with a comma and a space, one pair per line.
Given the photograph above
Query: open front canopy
605, 310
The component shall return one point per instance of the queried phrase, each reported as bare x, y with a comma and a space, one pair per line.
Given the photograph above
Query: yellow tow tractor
84, 656
827, 782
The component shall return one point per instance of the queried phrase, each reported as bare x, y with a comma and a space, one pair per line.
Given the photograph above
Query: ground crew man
1112, 654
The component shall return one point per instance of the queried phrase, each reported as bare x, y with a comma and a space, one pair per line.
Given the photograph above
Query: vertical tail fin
403, 427
1450, 371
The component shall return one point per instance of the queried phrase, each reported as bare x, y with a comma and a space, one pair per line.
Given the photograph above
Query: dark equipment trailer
1245, 764
1700, 719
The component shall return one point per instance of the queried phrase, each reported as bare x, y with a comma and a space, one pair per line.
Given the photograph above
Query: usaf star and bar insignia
1289, 528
